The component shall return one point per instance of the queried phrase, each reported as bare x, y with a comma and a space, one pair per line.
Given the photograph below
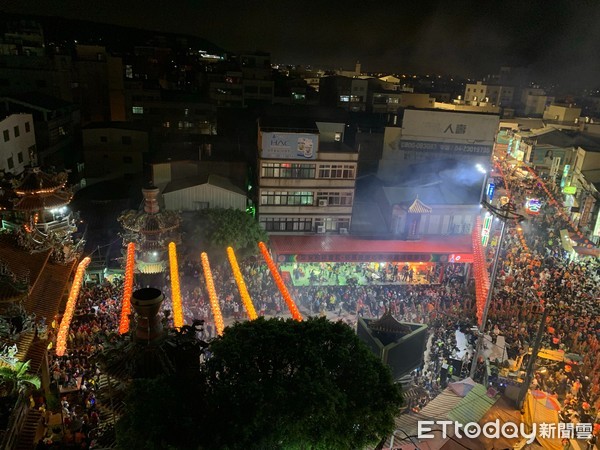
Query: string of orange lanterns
175, 288
237, 275
127, 289
212, 294
61, 339
279, 282
482, 282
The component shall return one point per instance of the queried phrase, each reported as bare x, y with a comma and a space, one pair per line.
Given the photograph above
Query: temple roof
388, 324
418, 207
36, 181
38, 202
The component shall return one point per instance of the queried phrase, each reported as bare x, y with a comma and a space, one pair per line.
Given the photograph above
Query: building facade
17, 143
306, 184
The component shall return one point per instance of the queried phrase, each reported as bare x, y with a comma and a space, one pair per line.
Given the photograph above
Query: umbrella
549, 401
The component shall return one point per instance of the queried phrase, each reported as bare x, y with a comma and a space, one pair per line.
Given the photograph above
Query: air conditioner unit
322, 202
343, 230
321, 229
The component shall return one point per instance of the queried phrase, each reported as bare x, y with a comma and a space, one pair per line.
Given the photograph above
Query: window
344, 98
126, 140
285, 198
286, 224
332, 224
20, 157
336, 198
27, 127
127, 159
11, 163
137, 109
6, 135
103, 139
288, 170
337, 137
344, 171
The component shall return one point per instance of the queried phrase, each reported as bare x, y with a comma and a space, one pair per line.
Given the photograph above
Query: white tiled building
17, 143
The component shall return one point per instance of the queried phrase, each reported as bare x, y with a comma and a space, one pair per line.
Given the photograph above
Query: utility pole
504, 213
534, 353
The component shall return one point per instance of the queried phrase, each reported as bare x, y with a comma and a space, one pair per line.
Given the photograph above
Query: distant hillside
116, 38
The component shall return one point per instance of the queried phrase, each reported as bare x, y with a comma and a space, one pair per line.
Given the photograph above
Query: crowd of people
440, 297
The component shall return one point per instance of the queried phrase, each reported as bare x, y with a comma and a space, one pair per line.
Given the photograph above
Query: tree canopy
218, 228
289, 384
270, 384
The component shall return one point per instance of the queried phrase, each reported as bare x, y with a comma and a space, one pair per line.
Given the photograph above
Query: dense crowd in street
439, 297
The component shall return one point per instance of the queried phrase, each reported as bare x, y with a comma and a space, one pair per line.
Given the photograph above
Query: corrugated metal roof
472, 407
212, 179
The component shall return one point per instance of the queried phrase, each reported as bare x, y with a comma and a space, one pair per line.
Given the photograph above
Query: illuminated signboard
485, 230
597, 226
533, 205
289, 145
490, 190
570, 190
565, 174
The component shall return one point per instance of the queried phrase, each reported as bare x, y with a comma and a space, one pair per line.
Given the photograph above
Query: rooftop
38, 101
212, 179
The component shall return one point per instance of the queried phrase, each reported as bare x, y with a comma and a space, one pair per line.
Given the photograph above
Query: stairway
29, 430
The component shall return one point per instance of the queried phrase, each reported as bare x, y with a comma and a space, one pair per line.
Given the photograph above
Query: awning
306, 248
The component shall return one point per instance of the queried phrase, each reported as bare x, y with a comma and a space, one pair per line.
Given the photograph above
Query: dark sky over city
557, 39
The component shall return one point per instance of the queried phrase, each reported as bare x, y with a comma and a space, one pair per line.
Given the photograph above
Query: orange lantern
237, 275
212, 295
178, 321
127, 289
61, 339
279, 282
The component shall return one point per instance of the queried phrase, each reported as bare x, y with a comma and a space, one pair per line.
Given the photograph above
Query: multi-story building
114, 148
17, 143
306, 177
426, 135
57, 125
489, 93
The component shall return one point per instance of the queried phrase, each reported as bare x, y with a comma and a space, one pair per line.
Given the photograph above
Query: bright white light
480, 168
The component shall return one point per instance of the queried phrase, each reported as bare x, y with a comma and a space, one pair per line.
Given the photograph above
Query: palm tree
17, 378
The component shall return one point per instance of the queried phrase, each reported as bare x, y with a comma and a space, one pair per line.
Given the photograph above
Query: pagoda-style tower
151, 230
40, 215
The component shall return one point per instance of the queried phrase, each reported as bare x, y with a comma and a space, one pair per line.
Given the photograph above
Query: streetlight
504, 213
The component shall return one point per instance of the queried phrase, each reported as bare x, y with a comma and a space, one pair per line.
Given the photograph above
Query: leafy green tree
215, 229
16, 378
286, 384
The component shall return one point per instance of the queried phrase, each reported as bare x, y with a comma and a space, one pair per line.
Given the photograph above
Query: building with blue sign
306, 176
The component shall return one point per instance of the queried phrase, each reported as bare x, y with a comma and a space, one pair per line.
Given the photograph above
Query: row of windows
303, 224
16, 131
125, 140
302, 198
287, 170
286, 198
10, 162
307, 171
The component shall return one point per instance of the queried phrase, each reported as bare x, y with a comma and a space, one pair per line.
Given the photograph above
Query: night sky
557, 39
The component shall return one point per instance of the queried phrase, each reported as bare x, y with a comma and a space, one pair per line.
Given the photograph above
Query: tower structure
151, 230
